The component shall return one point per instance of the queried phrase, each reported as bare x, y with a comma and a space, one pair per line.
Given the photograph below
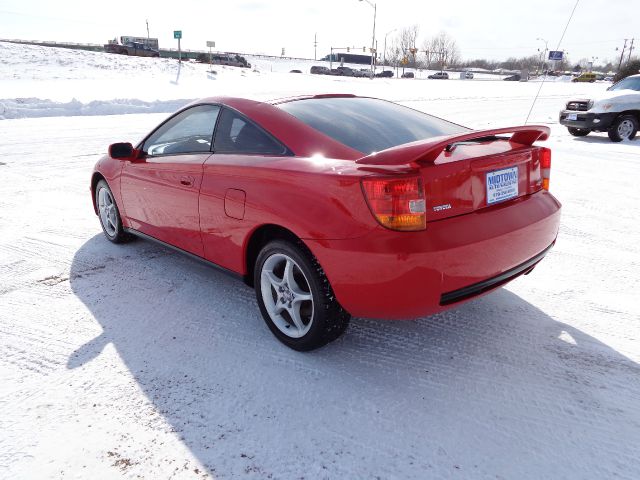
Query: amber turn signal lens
398, 204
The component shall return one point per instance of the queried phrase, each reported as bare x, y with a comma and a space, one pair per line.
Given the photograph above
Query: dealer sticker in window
502, 185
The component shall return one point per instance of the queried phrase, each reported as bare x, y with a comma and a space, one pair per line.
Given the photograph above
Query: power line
544, 77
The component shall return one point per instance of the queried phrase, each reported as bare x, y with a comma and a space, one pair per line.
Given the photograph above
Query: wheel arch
258, 239
634, 113
95, 178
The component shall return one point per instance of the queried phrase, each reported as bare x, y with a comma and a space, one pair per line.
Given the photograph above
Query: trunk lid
469, 172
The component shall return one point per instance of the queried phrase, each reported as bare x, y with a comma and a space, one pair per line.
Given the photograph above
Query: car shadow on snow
494, 388
602, 138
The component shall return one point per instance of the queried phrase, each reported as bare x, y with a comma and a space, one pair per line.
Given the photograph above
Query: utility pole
630, 50
622, 55
373, 36
147, 29
315, 46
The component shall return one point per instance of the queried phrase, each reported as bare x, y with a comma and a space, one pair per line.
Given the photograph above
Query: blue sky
488, 29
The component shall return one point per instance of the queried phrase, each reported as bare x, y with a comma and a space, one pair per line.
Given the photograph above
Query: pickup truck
132, 48
616, 111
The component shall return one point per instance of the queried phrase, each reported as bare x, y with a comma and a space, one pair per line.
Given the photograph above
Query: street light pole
384, 54
544, 55
373, 36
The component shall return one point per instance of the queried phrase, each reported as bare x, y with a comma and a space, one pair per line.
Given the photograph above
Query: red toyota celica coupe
335, 205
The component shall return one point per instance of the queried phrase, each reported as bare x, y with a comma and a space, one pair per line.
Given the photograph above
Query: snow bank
36, 107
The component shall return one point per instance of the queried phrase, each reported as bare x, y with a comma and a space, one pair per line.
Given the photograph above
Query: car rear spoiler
427, 151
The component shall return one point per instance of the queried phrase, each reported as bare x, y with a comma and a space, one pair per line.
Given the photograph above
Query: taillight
545, 166
398, 204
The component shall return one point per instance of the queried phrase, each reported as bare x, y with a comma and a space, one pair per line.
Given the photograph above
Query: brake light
545, 166
398, 204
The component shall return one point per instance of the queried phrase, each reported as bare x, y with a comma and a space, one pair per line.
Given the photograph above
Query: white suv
616, 112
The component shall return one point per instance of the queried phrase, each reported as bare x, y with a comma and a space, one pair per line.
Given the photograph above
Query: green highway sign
177, 34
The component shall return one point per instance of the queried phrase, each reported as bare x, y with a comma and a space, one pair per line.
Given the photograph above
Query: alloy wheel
107, 210
287, 296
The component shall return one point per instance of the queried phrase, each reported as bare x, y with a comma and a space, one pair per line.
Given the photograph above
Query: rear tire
109, 214
625, 127
578, 132
295, 297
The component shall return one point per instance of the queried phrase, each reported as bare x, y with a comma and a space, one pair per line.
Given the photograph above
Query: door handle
186, 181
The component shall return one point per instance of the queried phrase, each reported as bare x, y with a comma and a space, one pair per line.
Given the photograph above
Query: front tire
295, 297
578, 132
109, 214
625, 127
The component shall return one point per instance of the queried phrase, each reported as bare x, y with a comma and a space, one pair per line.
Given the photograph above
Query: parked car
230, 60
513, 78
398, 218
468, 75
439, 76
585, 77
408, 75
345, 71
616, 111
385, 74
608, 79
363, 72
131, 48
320, 70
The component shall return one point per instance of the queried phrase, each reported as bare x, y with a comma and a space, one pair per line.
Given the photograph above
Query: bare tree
403, 45
394, 52
407, 42
441, 51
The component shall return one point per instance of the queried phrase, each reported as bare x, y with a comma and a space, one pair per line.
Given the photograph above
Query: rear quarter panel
317, 199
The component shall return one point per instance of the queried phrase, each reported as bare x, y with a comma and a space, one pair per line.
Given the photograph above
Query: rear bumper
395, 275
588, 121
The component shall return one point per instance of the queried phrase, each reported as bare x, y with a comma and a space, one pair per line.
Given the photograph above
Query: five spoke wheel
287, 295
107, 211
109, 214
295, 297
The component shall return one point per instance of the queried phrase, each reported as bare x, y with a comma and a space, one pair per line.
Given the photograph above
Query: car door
160, 190
240, 148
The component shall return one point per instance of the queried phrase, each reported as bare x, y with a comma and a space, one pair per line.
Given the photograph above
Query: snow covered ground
136, 362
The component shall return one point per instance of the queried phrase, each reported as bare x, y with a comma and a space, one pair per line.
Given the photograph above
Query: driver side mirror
123, 151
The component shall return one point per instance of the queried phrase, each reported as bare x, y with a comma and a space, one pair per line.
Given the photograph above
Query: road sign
177, 34
211, 44
555, 55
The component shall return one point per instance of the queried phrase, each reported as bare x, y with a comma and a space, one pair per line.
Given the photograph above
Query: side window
190, 131
236, 134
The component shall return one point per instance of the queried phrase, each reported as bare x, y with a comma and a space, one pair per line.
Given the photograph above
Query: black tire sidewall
613, 131
314, 338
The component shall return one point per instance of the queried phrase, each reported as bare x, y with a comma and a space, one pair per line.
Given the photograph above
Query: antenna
557, 49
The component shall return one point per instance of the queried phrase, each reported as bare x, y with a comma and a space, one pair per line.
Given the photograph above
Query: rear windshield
368, 124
